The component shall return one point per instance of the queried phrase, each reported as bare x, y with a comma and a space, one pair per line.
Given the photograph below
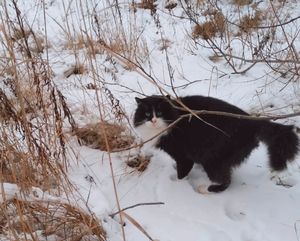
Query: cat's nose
154, 120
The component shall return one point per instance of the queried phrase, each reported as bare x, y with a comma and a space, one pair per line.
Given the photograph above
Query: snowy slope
253, 208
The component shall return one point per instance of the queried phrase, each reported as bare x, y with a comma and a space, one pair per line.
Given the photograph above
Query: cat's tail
282, 143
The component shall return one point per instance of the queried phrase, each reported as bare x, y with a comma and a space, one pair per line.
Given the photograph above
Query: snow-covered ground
253, 208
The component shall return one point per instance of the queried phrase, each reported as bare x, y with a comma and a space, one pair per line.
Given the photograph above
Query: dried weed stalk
31, 220
33, 112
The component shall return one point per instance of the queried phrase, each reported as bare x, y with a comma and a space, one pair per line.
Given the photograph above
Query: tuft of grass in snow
77, 69
250, 22
242, 2
29, 220
96, 135
139, 163
209, 29
147, 4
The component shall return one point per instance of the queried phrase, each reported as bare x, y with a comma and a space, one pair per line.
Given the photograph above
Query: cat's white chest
150, 133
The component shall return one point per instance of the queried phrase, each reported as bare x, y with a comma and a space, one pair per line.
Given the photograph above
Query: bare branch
136, 205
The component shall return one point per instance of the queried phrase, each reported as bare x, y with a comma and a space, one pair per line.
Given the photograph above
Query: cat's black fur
216, 142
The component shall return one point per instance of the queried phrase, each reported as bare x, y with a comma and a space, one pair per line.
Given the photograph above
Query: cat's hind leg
219, 176
183, 167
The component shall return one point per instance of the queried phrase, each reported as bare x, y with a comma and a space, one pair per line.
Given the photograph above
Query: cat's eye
147, 114
158, 113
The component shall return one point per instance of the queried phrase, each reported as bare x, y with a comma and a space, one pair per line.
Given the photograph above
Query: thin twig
137, 225
266, 27
136, 205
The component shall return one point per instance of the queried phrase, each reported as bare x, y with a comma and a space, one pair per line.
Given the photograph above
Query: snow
254, 207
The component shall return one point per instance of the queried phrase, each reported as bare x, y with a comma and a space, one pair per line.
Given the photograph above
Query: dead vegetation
77, 69
33, 149
249, 23
146, 4
139, 163
35, 114
23, 169
28, 220
211, 28
259, 29
103, 135
242, 2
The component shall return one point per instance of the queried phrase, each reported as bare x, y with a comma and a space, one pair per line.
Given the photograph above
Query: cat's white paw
203, 189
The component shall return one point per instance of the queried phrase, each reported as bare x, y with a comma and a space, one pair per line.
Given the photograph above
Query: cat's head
154, 112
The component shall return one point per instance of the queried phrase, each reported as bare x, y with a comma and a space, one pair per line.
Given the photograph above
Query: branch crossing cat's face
153, 115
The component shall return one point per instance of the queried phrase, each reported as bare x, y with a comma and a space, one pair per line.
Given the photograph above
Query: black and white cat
217, 142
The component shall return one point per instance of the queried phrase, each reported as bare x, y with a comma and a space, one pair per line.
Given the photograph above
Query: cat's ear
138, 100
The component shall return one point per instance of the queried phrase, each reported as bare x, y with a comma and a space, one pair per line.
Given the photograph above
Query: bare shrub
263, 33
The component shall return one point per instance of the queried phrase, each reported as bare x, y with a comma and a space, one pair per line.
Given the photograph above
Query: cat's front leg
184, 167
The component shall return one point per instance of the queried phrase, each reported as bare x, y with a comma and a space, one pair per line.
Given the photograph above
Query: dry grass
147, 4
170, 5
76, 69
210, 29
22, 168
75, 42
249, 23
139, 163
242, 2
124, 42
28, 220
94, 135
215, 58
36, 42
19, 33
164, 44
34, 111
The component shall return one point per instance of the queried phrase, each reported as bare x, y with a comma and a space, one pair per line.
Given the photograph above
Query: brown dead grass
50, 218
164, 44
36, 42
20, 34
147, 4
210, 29
249, 23
75, 42
170, 5
215, 58
93, 135
139, 163
242, 2
23, 169
75, 70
